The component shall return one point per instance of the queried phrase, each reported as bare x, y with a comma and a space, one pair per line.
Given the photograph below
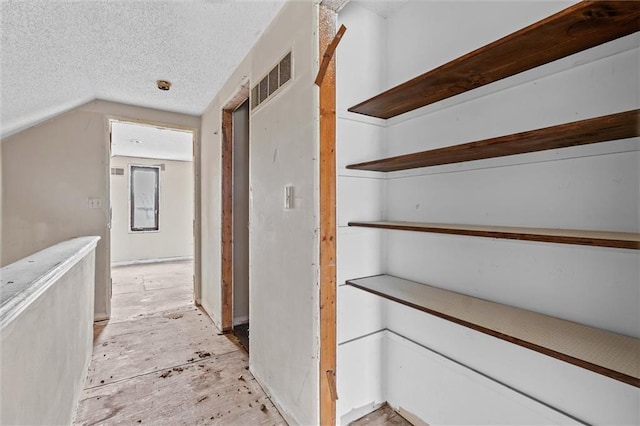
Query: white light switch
288, 197
95, 203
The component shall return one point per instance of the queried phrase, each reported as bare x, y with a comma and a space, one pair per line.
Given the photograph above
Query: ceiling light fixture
164, 84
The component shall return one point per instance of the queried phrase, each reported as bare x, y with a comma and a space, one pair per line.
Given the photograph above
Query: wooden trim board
328, 338
612, 127
226, 249
579, 27
610, 354
626, 240
328, 54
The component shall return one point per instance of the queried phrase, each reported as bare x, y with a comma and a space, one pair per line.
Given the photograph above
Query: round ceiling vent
164, 84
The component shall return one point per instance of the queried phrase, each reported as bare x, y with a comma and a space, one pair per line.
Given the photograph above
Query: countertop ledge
23, 281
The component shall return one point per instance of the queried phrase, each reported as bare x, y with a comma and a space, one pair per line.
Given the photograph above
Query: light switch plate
288, 197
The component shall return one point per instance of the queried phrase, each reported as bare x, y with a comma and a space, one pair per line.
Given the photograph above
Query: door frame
326, 80
109, 118
226, 249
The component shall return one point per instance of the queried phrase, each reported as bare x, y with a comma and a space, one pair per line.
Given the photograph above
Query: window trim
131, 229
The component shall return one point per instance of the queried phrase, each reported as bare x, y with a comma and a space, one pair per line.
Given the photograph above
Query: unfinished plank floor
381, 417
160, 360
140, 290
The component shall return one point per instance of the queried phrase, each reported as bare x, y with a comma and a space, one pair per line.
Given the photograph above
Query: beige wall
175, 235
283, 243
46, 334
50, 170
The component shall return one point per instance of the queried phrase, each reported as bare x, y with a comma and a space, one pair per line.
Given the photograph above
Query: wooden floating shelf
579, 27
612, 127
626, 240
607, 353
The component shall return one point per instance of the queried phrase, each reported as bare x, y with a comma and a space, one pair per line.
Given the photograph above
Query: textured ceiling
384, 8
137, 140
56, 55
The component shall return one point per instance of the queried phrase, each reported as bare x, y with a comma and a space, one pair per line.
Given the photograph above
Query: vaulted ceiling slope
56, 55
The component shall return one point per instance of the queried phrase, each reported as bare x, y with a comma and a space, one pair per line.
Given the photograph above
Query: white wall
283, 244
1, 211
590, 187
46, 334
360, 71
417, 380
49, 172
175, 235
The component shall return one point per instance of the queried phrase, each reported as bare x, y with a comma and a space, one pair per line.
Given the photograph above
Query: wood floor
381, 417
142, 290
161, 361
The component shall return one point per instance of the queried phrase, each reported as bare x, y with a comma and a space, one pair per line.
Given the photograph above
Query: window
144, 202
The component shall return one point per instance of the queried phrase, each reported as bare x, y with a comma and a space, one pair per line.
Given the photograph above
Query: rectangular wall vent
275, 79
118, 171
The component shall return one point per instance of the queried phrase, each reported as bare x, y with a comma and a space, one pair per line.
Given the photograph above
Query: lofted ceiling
56, 55
146, 141
384, 8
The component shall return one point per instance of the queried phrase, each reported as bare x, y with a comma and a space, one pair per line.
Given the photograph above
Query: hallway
160, 360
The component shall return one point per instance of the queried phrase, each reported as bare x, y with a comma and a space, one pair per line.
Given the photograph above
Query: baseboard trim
100, 318
145, 261
241, 320
360, 412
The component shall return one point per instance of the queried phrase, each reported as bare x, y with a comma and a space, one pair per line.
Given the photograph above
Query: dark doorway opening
240, 228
